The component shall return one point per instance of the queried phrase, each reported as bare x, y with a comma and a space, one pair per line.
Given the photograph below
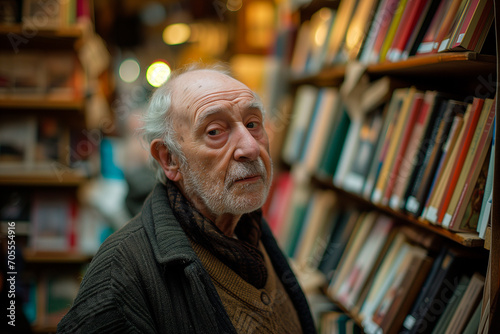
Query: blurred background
75, 77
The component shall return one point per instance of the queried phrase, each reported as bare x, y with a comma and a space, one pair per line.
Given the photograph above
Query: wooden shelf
41, 103
448, 64
56, 257
42, 178
463, 238
74, 31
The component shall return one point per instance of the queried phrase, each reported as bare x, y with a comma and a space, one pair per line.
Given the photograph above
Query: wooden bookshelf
448, 64
18, 103
56, 257
67, 178
463, 238
38, 37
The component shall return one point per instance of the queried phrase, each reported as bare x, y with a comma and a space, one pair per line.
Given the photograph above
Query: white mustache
241, 170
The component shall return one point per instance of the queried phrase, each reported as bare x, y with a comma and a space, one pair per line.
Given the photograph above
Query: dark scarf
241, 255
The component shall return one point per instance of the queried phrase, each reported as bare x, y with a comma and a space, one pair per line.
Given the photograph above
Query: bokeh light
157, 73
129, 70
176, 33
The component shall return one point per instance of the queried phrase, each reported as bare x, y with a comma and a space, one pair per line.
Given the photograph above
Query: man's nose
247, 147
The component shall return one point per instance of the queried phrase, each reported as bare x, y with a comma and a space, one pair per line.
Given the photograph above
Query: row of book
389, 277
44, 14
374, 31
423, 153
53, 75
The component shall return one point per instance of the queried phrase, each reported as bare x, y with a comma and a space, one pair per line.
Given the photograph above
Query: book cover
478, 150
344, 16
414, 152
469, 22
328, 110
484, 215
427, 43
452, 117
467, 305
453, 13
444, 168
458, 163
407, 134
411, 15
378, 29
444, 44
391, 32
435, 294
424, 24
390, 120
350, 288
445, 318
393, 146
400, 296
304, 104
336, 140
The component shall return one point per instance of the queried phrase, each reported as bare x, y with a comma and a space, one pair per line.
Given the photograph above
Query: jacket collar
168, 240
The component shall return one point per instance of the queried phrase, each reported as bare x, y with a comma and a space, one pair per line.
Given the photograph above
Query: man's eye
252, 125
214, 132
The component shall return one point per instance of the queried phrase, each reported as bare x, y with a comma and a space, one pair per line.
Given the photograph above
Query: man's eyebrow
206, 114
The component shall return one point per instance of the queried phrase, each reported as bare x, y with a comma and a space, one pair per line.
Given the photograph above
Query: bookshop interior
381, 117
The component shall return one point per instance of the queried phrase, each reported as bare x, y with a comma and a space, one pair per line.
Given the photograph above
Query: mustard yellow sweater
251, 310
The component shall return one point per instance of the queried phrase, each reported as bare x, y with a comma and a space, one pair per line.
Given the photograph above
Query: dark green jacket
146, 278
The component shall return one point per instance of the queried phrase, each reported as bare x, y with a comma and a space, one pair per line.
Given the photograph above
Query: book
339, 237
358, 29
350, 288
446, 166
333, 150
484, 216
434, 135
344, 16
458, 163
467, 305
299, 204
368, 137
378, 29
409, 20
390, 120
318, 212
436, 292
457, 21
279, 202
391, 32
305, 101
450, 123
403, 291
430, 11
427, 43
406, 135
479, 17
17, 143
318, 134
53, 217
412, 156
392, 146
452, 14
319, 33
445, 318
473, 324
478, 150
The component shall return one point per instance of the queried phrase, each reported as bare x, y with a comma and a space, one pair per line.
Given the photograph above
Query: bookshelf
464, 75
46, 153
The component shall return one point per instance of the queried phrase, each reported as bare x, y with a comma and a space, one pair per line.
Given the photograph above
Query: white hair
158, 118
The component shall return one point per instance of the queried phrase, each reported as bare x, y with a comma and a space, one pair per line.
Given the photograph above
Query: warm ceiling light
129, 70
234, 5
176, 33
158, 73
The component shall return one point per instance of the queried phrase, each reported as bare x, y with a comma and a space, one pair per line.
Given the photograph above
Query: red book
413, 10
477, 106
407, 134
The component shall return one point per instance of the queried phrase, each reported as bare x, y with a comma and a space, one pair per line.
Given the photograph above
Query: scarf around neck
241, 255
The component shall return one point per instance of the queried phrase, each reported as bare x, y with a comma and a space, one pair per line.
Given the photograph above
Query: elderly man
198, 258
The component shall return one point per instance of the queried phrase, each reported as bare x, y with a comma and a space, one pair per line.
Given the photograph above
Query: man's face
220, 129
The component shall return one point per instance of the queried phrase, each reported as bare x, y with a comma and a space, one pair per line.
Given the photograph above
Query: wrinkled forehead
191, 89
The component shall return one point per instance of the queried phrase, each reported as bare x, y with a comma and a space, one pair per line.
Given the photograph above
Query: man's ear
167, 161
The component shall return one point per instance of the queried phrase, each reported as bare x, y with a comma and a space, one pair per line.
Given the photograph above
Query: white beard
226, 197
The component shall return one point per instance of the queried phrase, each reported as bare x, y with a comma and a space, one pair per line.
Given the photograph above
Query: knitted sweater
146, 278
